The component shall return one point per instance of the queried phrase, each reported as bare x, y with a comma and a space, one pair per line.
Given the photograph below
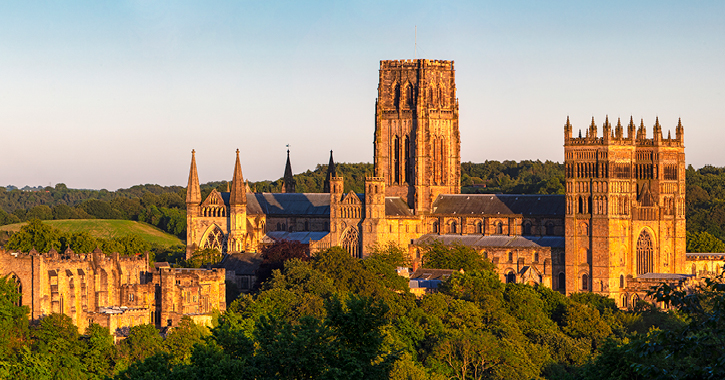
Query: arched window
511, 257
536, 257
549, 228
307, 225
585, 282
214, 239
625, 301
454, 227
645, 253
396, 95
510, 277
479, 227
284, 227
406, 159
527, 228
19, 286
581, 205
409, 95
562, 281
351, 242
396, 159
434, 227
499, 228
279, 227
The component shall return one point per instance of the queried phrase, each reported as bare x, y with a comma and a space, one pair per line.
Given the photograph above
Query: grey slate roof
302, 237
669, 276
308, 204
396, 206
500, 204
481, 241
245, 263
431, 274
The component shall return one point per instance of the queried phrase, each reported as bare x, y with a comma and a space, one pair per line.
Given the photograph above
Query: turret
289, 179
238, 194
567, 130
331, 173
592, 130
193, 192
237, 210
642, 131
680, 131
631, 129
657, 131
193, 200
606, 130
619, 130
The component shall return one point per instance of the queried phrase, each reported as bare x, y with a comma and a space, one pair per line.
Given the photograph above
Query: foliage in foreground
334, 316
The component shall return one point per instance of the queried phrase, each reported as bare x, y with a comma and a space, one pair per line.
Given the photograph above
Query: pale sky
110, 94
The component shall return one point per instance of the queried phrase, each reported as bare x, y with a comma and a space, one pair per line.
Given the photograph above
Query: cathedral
619, 228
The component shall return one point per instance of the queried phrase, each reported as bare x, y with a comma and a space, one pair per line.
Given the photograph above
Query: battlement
375, 179
636, 136
412, 63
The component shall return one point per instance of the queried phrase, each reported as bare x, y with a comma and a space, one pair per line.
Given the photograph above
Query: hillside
108, 228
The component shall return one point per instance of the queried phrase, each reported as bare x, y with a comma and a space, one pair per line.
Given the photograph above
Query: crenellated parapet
636, 135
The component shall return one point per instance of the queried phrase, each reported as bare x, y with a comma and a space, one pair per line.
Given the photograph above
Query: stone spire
238, 194
679, 131
567, 129
331, 173
289, 179
619, 130
193, 192
631, 128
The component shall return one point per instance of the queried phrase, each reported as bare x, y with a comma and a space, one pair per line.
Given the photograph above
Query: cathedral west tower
417, 144
625, 206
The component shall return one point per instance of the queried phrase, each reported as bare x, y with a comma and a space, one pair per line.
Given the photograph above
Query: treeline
42, 237
511, 177
333, 316
165, 208
705, 209
160, 206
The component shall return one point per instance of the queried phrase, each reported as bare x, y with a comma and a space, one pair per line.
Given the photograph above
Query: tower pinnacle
331, 173
193, 192
238, 194
289, 179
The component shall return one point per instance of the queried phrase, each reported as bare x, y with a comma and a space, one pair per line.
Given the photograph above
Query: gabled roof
303, 237
396, 206
500, 204
481, 241
245, 263
431, 274
310, 204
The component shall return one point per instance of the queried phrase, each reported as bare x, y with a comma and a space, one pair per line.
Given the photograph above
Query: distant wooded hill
165, 208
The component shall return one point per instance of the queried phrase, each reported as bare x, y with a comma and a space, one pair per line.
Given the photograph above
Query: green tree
181, 340
143, 342
35, 234
457, 256
99, 352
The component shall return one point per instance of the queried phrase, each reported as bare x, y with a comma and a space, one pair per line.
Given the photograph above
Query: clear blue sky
109, 94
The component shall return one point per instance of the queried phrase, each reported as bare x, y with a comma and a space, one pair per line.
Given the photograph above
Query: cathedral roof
503, 204
303, 237
480, 241
396, 206
314, 204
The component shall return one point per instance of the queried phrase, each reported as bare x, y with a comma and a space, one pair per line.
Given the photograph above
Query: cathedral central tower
417, 144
